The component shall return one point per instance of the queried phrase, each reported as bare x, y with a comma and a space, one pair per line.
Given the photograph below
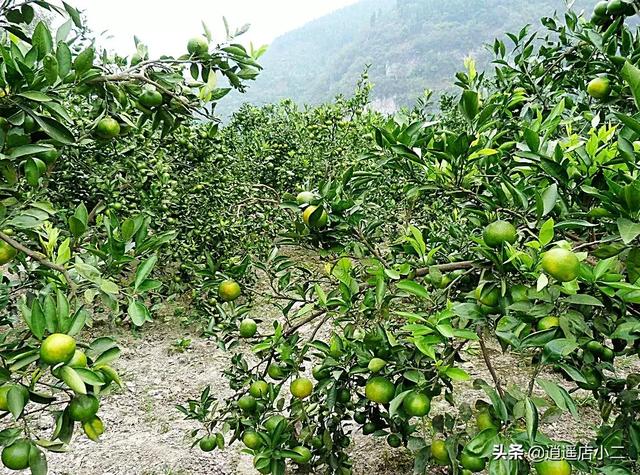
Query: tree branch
446, 267
487, 361
41, 258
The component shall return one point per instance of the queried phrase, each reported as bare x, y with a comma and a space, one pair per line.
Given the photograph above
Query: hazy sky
166, 25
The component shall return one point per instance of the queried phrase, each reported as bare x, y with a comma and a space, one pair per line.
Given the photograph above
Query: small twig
532, 382
41, 258
319, 326
303, 322
446, 267
487, 361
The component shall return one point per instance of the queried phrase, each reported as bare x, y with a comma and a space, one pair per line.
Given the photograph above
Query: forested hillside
411, 45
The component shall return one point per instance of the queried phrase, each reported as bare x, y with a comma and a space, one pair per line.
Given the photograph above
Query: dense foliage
393, 248
521, 222
60, 100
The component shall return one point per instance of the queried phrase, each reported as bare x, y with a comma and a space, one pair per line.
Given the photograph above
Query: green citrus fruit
498, 233
79, 360
379, 389
369, 428
229, 290
553, 467
376, 364
360, 417
198, 46
561, 264
275, 371
259, 389
343, 396
49, 156
57, 348
304, 455
439, 451
305, 197
251, 439
16, 455
150, 98
207, 444
301, 388
83, 407
599, 88
416, 404
607, 354
484, 420
488, 295
7, 252
595, 347
107, 128
600, 9
472, 463
247, 403
615, 7
4, 396
317, 223
547, 323
394, 440
319, 372
248, 328
272, 422
29, 125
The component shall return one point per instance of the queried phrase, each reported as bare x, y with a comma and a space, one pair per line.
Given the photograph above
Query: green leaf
631, 75
107, 357
90, 377
37, 461
546, 232
55, 130
109, 287
72, 379
559, 395
457, 374
413, 288
144, 269
35, 96
25, 150
64, 57
38, 320
137, 312
628, 230
50, 314
469, 104
395, 404
496, 400
549, 199
16, 401
74, 14
84, 61
77, 322
42, 39
531, 417
584, 299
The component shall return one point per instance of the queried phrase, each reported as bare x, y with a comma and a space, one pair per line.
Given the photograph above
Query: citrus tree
61, 99
515, 221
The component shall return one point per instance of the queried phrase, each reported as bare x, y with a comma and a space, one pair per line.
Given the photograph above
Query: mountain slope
410, 45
